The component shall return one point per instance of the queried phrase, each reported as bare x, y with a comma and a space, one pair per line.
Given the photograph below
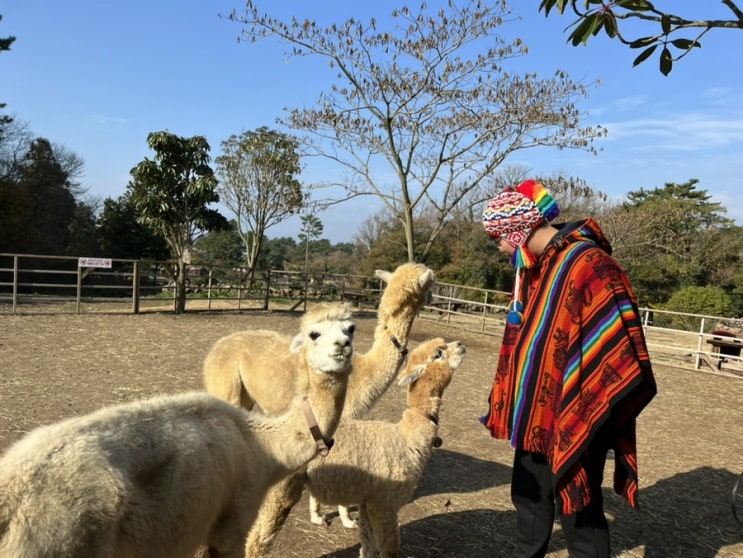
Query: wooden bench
445, 307
724, 344
354, 296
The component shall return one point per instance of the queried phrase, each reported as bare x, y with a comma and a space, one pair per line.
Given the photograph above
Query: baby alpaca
378, 464
161, 478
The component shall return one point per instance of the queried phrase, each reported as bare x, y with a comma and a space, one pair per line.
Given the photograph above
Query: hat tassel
523, 257
515, 308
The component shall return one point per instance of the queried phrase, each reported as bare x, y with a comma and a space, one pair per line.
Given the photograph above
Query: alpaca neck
428, 408
375, 370
289, 438
429, 413
326, 397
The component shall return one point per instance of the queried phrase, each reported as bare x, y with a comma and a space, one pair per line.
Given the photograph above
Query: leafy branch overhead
614, 17
5, 43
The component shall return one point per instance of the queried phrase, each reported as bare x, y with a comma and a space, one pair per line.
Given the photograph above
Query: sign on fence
94, 262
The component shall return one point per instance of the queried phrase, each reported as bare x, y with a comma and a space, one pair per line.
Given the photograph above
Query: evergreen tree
122, 235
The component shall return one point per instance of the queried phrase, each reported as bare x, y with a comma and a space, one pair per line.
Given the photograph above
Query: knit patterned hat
512, 215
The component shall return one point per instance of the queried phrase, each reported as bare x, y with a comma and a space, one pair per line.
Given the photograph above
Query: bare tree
576, 199
612, 16
74, 166
15, 138
257, 172
433, 99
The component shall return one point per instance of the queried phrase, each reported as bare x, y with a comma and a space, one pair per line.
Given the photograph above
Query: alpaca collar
322, 446
437, 441
427, 415
402, 349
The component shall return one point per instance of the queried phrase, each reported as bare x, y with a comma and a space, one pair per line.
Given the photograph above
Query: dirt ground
690, 437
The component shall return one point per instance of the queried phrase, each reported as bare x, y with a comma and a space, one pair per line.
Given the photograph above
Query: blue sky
97, 77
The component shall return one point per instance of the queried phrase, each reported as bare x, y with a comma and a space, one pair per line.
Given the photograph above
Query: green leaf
665, 23
666, 61
642, 42
644, 55
584, 31
684, 44
610, 25
635, 5
547, 5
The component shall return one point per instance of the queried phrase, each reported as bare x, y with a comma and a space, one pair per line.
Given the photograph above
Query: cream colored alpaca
161, 477
255, 368
378, 464
252, 367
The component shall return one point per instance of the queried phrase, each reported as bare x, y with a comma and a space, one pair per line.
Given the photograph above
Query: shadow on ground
676, 518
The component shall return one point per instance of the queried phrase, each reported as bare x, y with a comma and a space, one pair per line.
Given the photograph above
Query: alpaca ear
383, 275
427, 279
413, 376
297, 343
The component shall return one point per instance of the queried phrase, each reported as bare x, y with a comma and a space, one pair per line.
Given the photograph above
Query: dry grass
690, 437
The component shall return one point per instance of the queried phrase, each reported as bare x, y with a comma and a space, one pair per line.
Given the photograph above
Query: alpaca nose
343, 346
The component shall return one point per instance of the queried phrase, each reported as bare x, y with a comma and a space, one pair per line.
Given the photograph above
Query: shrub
708, 301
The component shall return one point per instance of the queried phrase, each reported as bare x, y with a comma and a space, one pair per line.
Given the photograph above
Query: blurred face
504, 246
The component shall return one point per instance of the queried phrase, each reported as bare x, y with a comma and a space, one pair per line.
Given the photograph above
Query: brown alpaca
378, 464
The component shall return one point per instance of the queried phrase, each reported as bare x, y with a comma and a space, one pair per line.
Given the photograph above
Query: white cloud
630, 103
681, 132
101, 119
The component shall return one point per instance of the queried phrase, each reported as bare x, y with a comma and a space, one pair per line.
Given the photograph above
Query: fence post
15, 283
266, 296
135, 287
698, 363
79, 288
484, 310
239, 289
209, 290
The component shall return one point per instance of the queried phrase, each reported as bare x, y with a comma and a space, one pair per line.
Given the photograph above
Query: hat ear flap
523, 257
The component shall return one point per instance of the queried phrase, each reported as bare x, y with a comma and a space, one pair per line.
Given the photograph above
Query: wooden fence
32, 283
53, 284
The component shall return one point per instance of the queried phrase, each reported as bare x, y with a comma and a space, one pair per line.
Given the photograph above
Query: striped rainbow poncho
577, 363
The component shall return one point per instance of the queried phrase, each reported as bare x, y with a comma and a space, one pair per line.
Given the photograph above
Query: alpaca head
429, 370
408, 289
326, 337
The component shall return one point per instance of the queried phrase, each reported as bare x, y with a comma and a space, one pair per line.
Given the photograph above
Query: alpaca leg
272, 515
385, 530
366, 535
345, 515
315, 515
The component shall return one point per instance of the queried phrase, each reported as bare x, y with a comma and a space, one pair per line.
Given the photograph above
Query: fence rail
30, 283
35, 284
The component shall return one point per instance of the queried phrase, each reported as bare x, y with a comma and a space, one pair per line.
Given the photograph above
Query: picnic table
356, 296
725, 344
445, 307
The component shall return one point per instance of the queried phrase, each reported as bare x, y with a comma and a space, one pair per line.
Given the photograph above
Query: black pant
533, 495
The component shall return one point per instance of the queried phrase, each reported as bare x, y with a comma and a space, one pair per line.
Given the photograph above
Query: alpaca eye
314, 335
351, 329
438, 354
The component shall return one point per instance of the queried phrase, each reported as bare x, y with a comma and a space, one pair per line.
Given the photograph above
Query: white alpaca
378, 464
255, 369
162, 477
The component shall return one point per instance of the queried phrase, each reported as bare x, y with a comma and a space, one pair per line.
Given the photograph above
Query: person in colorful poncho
572, 376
